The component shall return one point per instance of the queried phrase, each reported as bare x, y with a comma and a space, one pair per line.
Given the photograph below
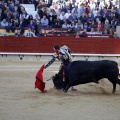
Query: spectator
52, 6
105, 32
75, 11
8, 16
18, 33
117, 16
68, 5
99, 26
51, 20
37, 27
90, 17
78, 26
29, 33
44, 22
11, 26
113, 23
31, 25
85, 25
61, 16
77, 35
4, 23
16, 12
107, 26
103, 18
1, 15
67, 14
93, 24
37, 18
98, 16
109, 5
112, 31
72, 18
88, 27
64, 9
40, 34
83, 34
36, 2
92, 5
87, 10
83, 18
93, 31
16, 20
30, 17
56, 10
97, 2
1, 5
24, 16
102, 4
95, 11
40, 12
22, 26
53, 14
80, 9
66, 25
44, 11
111, 17
57, 23
72, 29
12, 7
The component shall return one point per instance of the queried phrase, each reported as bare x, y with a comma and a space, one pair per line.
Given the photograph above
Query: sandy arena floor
20, 101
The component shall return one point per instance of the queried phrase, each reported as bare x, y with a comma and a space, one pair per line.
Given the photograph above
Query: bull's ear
56, 76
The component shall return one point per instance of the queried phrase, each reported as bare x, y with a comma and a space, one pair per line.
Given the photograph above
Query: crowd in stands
89, 16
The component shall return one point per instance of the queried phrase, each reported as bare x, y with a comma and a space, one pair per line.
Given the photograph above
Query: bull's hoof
65, 91
113, 92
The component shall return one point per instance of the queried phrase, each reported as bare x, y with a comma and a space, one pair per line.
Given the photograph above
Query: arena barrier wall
86, 47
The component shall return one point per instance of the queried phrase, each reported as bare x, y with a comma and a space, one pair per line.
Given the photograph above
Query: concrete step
30, 9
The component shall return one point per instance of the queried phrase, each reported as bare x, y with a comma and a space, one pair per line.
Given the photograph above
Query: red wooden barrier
45, 44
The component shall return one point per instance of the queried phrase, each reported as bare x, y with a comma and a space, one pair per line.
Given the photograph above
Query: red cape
39, 80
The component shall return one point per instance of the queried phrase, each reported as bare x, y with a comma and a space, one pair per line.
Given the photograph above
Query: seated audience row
88, 15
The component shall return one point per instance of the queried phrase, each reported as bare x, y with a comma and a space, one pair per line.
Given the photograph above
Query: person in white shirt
67, 14
66, 25
95, 11
80, 9
92, 5
29, 33
61, 17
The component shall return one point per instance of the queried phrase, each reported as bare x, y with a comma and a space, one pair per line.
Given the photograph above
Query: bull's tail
118, 80
119, 76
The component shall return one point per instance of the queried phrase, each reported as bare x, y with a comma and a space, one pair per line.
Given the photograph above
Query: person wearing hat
63, 54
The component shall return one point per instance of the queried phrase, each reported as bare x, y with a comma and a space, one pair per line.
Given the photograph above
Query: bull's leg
66, 88
113, 80
114, 87
70, 83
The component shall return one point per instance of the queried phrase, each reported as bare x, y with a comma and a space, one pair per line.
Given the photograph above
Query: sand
20, 101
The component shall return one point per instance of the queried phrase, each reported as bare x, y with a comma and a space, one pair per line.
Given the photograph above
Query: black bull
81, 72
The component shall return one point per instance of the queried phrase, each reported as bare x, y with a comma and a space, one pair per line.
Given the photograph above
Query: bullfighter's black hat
56, 47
